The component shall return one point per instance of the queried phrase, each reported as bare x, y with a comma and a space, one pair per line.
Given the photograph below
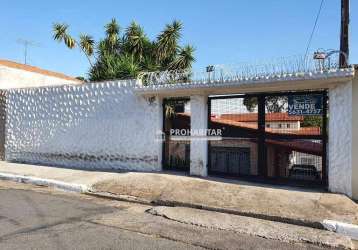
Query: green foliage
273, 104
112, 67
312, 121
81, 78
127, 55
250, 103
87, 43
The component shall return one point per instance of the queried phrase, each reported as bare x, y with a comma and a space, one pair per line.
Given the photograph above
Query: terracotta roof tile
253, 117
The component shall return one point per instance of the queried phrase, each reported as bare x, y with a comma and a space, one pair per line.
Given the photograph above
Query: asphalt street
32, 218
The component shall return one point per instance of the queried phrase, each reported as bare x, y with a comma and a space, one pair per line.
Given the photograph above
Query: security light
319, 55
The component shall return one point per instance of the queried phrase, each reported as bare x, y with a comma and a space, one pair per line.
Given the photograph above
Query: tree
85, 43
128, 55
312, 121
273, 104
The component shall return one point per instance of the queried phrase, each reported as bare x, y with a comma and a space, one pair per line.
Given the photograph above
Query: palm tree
184, 59
114, 67
131, 54
86, 42
167, 42
135, 41
112, 39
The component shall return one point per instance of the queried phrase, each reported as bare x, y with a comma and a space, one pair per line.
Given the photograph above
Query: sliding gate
278, 136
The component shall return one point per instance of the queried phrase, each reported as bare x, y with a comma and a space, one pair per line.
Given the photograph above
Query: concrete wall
18, 78
343, 138
97, 125
355, 138
340, 139
199, 148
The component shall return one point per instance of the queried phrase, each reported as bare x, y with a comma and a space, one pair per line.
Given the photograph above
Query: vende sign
305, 105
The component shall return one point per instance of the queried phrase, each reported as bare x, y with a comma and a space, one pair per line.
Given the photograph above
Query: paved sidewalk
296, 206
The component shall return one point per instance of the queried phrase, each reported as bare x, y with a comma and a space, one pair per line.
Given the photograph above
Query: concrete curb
126, 198
45, 182
158, 202
347, 229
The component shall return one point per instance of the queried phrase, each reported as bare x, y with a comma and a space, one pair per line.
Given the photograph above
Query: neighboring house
18, 75
281, 155
275, 122
297, 153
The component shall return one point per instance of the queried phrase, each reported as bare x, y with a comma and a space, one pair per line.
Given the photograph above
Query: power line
314, 28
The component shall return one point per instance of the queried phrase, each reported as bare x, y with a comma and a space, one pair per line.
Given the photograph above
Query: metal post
344, 44
262, 162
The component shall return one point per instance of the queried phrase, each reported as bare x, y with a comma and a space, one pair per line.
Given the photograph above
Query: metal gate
275, 136
176, 149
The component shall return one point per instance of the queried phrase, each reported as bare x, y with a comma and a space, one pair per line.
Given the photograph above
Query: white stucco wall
340, 139
355, 137
198, 148
18, 78
97, 125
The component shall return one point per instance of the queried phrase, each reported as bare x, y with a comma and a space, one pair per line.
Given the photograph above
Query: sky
223, 32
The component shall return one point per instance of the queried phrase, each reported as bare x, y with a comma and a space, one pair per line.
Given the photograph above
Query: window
288, 125
280, 125
267, 125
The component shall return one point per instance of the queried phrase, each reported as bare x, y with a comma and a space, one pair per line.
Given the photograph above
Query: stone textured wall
96, 125
340, 139
2, 123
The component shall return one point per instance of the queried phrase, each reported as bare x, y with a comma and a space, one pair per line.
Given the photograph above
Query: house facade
120, 125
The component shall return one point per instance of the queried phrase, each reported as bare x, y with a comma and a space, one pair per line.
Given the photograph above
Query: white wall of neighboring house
19, 78
284, 125
306, 159
97, 125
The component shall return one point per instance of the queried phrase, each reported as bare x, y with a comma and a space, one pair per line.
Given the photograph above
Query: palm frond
135, 41
69, 41
59, 31
87, 43
112, 31
184, 59
167, 41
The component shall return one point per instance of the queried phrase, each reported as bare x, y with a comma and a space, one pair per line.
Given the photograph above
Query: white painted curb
342, 228
45, 182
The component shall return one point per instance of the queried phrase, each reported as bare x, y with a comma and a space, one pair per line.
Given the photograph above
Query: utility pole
344, 44
26, 44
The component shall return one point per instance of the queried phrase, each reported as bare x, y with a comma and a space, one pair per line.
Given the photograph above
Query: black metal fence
276, 136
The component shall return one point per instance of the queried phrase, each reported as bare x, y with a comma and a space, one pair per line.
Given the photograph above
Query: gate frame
164, 166
262, 136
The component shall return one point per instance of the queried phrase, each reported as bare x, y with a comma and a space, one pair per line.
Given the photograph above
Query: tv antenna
27, 43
